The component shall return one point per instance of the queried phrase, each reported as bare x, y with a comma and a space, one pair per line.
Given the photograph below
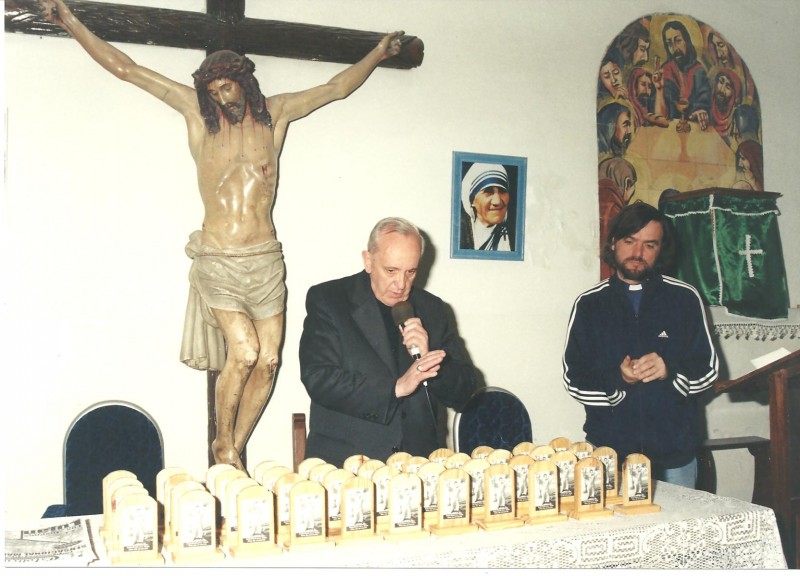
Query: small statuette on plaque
358, 511
499, 509
544, 504
405, 508
637, 486
589, 493
608, 456
454, 511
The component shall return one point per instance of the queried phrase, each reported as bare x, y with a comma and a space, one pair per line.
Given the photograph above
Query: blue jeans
682, 476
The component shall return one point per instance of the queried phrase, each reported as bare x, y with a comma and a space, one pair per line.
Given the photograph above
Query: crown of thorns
223, 64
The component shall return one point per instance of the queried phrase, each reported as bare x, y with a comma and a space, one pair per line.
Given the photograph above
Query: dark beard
637, 275
723, 102
233, 116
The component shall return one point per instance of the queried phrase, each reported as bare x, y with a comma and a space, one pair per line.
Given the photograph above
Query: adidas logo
663, 334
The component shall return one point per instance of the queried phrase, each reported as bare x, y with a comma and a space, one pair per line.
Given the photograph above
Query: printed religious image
521, 482
488, 206
609, 462
454, 504
197, 523
407, 498
500, 494
255, 520
591, 490
137, 528
359, 508
638, 481
545, 483
566, 478
309, 522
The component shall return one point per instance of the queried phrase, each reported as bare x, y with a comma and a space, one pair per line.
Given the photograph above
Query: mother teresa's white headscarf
478, 177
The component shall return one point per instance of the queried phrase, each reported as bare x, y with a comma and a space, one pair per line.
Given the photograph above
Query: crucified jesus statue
237, 274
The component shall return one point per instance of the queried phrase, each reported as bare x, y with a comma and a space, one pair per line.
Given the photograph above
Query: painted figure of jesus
235, 136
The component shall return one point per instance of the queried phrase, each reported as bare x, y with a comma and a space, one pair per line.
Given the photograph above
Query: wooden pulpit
781, 378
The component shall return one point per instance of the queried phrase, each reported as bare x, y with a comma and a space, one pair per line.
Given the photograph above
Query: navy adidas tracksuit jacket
657, 419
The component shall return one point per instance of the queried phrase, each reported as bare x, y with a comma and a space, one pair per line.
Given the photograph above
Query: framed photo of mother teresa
488, 212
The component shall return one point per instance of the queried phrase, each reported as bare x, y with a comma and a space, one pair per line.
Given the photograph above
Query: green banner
729, 248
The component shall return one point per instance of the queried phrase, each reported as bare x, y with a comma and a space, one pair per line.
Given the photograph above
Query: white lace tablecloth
694, 530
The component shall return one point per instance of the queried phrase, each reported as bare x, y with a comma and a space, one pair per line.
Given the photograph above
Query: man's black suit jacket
349, 371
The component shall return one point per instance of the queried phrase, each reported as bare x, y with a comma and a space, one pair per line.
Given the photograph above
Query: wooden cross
223, 26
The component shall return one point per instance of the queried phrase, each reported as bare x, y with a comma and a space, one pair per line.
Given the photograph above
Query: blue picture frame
463, 223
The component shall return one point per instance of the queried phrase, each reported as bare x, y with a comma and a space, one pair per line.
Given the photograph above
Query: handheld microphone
401, 312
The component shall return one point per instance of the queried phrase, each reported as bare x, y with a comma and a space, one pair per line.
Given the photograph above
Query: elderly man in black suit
376, 384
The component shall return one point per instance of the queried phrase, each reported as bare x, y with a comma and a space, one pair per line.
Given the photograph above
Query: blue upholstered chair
492, 417
103, 438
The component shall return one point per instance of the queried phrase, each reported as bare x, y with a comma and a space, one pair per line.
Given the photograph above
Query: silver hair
393, 224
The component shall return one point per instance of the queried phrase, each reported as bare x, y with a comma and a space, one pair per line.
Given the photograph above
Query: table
694, 530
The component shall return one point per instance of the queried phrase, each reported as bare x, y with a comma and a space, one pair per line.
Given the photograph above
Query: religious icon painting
488, 206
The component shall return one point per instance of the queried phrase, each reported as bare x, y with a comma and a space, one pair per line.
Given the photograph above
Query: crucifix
235, 138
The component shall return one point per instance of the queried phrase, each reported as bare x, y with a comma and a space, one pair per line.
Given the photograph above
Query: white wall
100, 198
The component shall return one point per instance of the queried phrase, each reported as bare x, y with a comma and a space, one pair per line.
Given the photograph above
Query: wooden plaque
219, 491
565, 460
500, 509
229, 509
414, 463
307, 526
405, 508
137, 532
454, 504
560, 444
112, 533
170, 482
283, 504
211, 475
440, 455
582, 450
256, 534
111, 482
318, 472
196, 529
545, 452
333, 486
589, 493
358, 511
499, 456
381, 478
272, 475
608, 457
523, 449
161, 483
261, 468
481, 451
305, 467
521, 464
175, 489
398, 460
637, 486
352, 463
368, 468
429, 474
544, 504
457, 460
476, 468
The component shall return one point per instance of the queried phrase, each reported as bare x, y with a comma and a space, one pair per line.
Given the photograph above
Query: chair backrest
492, 417
103, 438
299, 434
